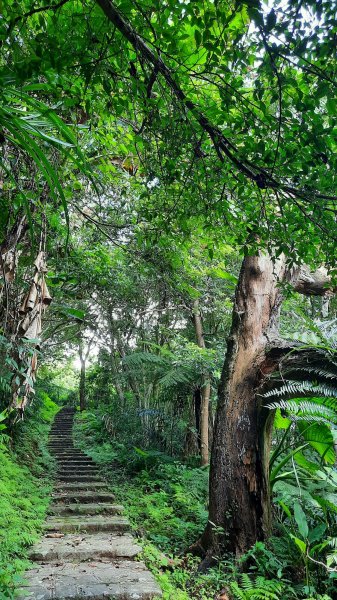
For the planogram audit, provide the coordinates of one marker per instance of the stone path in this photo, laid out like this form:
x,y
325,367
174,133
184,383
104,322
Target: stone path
x,y
87,550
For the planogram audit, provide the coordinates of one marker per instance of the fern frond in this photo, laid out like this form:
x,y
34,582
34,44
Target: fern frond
x,y
305,410
142,359
295,388
318,371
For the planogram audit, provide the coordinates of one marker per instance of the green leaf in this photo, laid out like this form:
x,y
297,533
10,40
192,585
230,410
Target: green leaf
x,y
197,37
319,436
317,533
301,520
299,543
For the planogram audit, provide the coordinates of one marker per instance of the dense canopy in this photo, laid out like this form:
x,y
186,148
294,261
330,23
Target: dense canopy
x,y
168,235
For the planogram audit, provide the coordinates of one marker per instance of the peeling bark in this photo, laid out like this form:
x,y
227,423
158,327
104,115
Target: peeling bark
x,y
239,497
239,512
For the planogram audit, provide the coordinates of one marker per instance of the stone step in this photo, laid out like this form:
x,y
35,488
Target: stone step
x,y
60,428
76,463
62,444
76,524
79,471
78,478
62,456
78,474
81,496
88,508
71,451
125,580
58,441
85,547
85,485
73,461
87,466
61,447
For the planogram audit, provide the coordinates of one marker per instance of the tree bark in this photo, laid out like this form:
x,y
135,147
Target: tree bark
x,y
239,509
239,494
83,355
83,403
191,445
205,389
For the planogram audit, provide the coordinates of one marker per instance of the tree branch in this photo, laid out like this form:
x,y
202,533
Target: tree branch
x,y
316,283
222,145
34,11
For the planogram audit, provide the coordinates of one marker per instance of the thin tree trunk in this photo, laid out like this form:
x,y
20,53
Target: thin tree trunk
x,y
116,375
83,360
82,379
205,389
191,445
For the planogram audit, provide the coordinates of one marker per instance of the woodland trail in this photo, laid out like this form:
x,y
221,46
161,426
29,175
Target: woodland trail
x,y
87,550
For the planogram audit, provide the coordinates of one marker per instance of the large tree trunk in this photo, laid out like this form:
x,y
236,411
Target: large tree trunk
x,y
239,509
205,389
239,495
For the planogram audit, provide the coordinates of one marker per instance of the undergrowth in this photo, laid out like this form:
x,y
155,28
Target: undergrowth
x,y
25,467
166,502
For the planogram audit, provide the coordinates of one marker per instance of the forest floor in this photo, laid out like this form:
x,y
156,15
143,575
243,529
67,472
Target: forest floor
x,y
165,502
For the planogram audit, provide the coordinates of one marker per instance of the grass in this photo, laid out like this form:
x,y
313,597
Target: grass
x,y
25,486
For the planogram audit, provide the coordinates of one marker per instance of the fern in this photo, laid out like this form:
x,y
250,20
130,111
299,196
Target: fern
x,y
257,588
320,372
166,371
293,388
305,410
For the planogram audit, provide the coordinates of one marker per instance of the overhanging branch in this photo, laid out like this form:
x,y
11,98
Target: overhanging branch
x,y
223,146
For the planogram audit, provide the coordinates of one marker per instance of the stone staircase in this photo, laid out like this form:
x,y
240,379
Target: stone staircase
x,y
87,550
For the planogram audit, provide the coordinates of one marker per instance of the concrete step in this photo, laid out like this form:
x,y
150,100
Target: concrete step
x,y
89,508
76,524
82,496
125,580
85,547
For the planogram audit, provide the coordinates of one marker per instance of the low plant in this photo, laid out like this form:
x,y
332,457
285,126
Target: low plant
x,y
24,492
